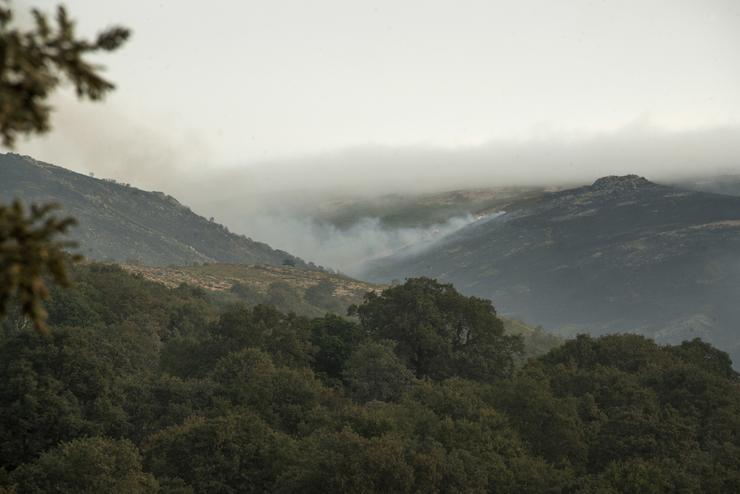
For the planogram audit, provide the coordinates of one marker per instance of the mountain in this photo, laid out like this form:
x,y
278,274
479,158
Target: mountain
x,y
118,222
623,254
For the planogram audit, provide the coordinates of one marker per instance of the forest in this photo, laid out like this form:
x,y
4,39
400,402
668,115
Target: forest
x,y
139,388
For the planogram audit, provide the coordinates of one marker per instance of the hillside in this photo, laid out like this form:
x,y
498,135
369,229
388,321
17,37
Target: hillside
x,y
122,223
623,254
305,292
417,210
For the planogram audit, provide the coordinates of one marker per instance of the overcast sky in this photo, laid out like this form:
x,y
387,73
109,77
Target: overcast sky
x,y
238,83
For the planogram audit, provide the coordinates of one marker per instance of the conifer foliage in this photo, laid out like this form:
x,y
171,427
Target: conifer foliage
x,y
33,63
28,250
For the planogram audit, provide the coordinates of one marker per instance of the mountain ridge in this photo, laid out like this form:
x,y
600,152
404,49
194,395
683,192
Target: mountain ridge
x,y
622,254
118,222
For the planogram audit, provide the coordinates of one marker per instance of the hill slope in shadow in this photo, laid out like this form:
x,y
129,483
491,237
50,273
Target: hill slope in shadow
x,y
122,223
623,254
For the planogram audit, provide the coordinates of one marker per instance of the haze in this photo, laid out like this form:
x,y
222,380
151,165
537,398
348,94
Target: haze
x,y
238,83
248,110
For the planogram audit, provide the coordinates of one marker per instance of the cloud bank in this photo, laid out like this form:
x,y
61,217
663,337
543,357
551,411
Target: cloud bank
x,y
276,201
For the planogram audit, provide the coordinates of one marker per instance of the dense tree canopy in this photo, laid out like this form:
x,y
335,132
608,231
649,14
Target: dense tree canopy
x,y
439,332
90,465
142,388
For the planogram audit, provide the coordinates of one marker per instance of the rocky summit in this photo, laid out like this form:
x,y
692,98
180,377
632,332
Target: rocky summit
x,y
622,254
618,183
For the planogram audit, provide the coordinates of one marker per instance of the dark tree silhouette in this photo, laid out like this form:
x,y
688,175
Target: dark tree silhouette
x,y
33,64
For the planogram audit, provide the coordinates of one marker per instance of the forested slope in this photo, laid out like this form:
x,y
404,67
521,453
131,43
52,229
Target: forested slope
x,y
143,388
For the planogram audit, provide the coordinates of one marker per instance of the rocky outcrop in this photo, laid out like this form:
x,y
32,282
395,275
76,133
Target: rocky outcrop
x,y
616,183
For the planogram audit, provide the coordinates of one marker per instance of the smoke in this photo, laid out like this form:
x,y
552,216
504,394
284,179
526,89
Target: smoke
x,y
110,142
346,249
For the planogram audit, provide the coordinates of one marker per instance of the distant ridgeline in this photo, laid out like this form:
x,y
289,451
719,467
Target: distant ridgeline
x,y
118,222
623,254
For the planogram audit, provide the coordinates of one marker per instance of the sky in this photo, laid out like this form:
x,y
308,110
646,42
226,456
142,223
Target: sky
x,y
251,85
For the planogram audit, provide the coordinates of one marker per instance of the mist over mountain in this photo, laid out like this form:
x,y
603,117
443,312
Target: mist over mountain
x,y
291,202
285,201
623,254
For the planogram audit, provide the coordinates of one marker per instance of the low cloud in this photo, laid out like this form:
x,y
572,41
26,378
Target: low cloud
x,y
278,202
545,160
278,199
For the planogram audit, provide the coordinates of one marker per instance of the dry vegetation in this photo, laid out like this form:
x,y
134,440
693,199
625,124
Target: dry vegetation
x,y
222,277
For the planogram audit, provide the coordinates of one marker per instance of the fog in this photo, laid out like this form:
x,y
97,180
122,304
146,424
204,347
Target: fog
x,y
151,155
293,105
280,201
549,158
